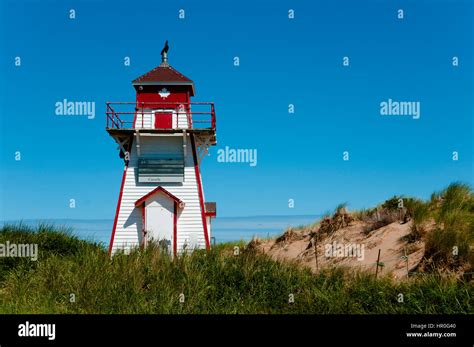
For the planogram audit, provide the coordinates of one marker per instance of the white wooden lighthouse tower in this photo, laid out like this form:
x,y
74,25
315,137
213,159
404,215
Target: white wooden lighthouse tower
x,y
162,138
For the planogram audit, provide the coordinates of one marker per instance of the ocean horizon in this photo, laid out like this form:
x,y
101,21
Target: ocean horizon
x,y
224,229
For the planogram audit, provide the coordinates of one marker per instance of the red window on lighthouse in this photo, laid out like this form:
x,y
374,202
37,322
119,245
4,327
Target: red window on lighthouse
x,y
163,120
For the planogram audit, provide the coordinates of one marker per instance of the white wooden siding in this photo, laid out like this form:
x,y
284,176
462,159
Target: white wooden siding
x,y
182,120
129,224
164,144
148,121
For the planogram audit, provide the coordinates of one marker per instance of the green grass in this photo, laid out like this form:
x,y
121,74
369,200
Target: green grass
x,y
212,282
420,214
451,242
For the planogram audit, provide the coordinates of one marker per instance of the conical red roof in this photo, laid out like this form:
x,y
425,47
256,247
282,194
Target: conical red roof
x,y
162,73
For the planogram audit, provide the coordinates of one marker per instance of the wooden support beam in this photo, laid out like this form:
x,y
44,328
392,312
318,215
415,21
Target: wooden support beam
x,y
185,140
137,135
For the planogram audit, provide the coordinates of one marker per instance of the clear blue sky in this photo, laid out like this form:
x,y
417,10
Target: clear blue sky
x,y
282,61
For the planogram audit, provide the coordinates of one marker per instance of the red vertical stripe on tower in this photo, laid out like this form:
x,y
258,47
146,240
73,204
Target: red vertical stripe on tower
x,y
175,228
143,224
117,211
201,196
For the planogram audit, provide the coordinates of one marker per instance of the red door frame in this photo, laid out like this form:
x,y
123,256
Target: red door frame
x,y
141,203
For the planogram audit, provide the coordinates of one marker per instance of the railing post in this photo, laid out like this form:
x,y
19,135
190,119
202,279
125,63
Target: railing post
x,y
180,109
213,116
189,116
143,105
109,119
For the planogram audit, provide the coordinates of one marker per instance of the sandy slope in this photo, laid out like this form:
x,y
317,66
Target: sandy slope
x,y
388,239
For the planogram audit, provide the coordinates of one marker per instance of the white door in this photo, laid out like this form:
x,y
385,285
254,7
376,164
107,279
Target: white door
x,y
160,221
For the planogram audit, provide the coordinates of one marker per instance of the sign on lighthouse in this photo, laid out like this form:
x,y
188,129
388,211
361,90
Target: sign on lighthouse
x,y
162,138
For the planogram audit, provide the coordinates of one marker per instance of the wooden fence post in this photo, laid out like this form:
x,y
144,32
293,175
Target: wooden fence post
x,y
316,251
377,267
406,259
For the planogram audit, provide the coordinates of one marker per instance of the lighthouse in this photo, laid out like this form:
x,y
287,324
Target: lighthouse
x,y
162,139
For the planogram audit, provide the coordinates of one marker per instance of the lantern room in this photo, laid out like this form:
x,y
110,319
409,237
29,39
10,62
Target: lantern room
x,y
166,90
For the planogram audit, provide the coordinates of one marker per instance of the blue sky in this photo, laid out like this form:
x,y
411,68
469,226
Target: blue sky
x,y
282,62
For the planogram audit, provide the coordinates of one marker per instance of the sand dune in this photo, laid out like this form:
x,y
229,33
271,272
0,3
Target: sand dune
x,y
298,246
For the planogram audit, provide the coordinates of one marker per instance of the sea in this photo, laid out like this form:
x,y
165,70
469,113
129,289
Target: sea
x,y
224,229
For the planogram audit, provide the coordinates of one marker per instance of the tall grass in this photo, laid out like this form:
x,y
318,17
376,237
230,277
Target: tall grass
x,y
148,281
420,213
451,242
51,240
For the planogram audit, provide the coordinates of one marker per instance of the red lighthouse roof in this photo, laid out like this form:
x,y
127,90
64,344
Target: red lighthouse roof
x,y
164,74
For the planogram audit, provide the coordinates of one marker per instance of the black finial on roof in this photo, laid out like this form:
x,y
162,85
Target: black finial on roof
x,y
164,54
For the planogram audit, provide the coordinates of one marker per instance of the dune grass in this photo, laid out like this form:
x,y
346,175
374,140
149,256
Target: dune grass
x,y
451,242
75,276
445,223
